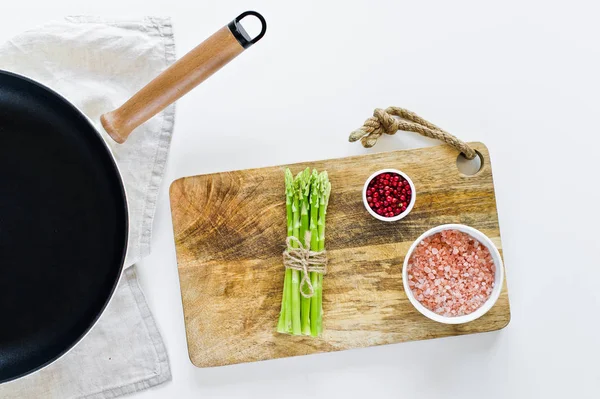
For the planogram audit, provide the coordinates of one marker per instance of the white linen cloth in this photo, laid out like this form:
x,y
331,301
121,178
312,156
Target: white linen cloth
x,y
97,65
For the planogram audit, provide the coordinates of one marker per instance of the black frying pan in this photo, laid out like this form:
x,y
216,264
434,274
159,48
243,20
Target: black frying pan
x,y
63,210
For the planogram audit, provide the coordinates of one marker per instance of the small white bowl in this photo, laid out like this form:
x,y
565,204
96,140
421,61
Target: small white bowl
x,y
408,208
498,275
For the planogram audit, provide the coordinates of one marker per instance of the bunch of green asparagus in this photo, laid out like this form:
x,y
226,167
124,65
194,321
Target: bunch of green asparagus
x,y
307,197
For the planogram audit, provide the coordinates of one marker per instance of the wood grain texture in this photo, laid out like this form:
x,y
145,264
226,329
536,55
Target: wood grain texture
x,y
230,231
181,77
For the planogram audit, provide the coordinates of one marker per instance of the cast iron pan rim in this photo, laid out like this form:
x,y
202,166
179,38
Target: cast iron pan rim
x,y
125,218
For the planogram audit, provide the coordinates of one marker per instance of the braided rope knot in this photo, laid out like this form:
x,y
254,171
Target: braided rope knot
x,y
385,122
300,257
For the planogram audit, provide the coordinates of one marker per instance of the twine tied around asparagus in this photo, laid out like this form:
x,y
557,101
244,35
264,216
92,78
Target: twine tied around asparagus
x,y
301,258
383,121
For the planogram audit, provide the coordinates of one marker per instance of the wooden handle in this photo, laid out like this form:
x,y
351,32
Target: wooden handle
x,y
181,77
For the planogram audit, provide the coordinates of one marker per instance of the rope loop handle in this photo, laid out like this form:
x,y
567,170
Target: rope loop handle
x,y
384,121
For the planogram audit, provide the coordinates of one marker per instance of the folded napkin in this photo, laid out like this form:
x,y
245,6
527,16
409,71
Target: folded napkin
x,y
98,64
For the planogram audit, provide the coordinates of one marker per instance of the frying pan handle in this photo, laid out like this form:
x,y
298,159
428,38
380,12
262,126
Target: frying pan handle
x,y
181,77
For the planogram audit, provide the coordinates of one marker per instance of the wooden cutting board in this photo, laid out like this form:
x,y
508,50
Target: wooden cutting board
x,y
230,231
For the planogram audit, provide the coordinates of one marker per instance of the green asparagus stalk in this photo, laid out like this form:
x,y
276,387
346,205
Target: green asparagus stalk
x,y
285,317
314,246
306,179
316,326
295,285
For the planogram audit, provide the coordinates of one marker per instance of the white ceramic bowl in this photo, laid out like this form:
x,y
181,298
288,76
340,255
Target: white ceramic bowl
x,y
498,277
408,208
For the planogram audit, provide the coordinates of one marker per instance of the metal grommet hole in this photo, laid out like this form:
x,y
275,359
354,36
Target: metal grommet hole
x,y
469,167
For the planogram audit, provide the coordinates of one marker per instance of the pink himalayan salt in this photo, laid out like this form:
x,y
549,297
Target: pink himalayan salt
x,y
464,273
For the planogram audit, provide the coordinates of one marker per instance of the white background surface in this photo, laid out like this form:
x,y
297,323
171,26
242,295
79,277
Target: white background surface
x,y
520,76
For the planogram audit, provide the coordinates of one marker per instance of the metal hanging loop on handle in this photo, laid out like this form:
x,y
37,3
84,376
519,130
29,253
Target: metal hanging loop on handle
x,y
240,33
